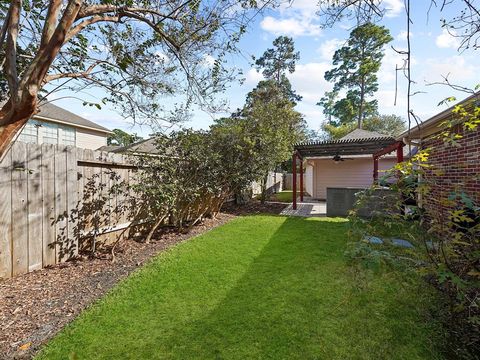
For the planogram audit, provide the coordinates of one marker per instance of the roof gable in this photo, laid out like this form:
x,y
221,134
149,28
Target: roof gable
x,y
56,113
361,134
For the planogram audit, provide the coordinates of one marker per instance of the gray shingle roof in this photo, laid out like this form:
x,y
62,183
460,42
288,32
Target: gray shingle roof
x,y
360,134
54,112
109,148
147,146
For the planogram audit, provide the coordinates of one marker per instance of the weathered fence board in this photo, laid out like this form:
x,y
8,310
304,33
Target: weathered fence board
x,y
72,202
48,193
19,209
60,201
6,216
288,182
46,203
35,207
274,184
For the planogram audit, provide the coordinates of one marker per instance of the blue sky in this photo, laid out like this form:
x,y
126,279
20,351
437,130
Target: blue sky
x,y
434,54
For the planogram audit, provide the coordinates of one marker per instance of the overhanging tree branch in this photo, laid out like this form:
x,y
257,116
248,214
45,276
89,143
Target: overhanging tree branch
x,y
77,75
90,21
50,21
11,47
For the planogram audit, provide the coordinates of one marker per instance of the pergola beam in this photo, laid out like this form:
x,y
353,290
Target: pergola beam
x,y
398,146
345,148
387,150
376,147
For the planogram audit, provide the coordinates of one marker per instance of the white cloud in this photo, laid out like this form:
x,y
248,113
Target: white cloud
x,y
290,26
328,48
455,67
390,62
208,60
386,100
308,81
447,40
313,115
253,77
402,36
161,57
393,8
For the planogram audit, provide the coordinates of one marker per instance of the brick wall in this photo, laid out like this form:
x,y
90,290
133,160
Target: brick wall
x,y
455,168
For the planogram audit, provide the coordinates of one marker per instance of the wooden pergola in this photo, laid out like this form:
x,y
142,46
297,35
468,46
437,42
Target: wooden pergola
x,y
377,147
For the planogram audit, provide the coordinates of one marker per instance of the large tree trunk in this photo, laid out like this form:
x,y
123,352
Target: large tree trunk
x,y
362,101
23,92
13,119
263,183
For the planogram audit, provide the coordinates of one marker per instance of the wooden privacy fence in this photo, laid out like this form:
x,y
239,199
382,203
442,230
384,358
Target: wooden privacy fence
x,y
43,190
274,184
288,181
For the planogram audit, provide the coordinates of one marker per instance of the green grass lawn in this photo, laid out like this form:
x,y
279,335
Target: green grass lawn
x,y
282,196
259,287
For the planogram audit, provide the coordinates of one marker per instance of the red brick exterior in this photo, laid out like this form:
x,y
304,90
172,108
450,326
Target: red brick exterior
x,y
455,168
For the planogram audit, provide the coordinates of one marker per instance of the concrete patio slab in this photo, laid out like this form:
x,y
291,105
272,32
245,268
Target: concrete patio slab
x,y
309,208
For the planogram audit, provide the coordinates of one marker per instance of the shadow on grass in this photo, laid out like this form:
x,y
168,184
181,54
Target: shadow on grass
x,y
275,309
293,298
297,301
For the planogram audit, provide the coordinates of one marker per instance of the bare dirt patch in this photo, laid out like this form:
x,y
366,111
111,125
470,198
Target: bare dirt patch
x,y
35,306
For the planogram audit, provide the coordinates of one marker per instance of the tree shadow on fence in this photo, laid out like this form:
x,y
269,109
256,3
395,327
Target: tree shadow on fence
x,y
103,215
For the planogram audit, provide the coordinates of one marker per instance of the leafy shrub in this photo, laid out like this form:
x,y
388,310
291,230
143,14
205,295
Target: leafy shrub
x,y
449,234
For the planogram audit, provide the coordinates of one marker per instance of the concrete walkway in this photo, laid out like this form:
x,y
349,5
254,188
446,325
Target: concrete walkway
x,y
307,208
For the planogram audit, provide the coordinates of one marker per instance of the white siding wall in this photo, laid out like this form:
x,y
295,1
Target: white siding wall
x,y
348,173
89,139
309,179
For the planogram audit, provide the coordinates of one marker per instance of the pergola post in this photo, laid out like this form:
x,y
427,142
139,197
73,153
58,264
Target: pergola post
x,y
400,153
375,169
301,180
294,180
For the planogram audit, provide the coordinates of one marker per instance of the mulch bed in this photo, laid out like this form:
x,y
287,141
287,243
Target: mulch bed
x,y
253,207
35,306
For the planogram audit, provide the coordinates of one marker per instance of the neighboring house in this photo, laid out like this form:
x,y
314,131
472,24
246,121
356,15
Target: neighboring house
x,y
54,125
349,171
142,147
458,166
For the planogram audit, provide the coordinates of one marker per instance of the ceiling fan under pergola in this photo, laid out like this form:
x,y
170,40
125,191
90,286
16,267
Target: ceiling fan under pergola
x,y
337,158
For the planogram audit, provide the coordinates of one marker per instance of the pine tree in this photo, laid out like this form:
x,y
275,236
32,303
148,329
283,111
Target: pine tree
x,y
357,64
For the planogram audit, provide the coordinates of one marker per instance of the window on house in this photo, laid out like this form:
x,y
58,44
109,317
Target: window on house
x,y
50,133
29,132
68,136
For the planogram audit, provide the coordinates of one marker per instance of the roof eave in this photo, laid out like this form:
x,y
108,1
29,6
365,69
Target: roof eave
x,y
431,125
71,124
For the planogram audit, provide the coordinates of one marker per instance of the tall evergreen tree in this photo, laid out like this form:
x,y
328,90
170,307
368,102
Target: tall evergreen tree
x,y
357,64
276,62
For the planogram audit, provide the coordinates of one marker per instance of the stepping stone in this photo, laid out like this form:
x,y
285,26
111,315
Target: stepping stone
x,y
373,239
402,243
